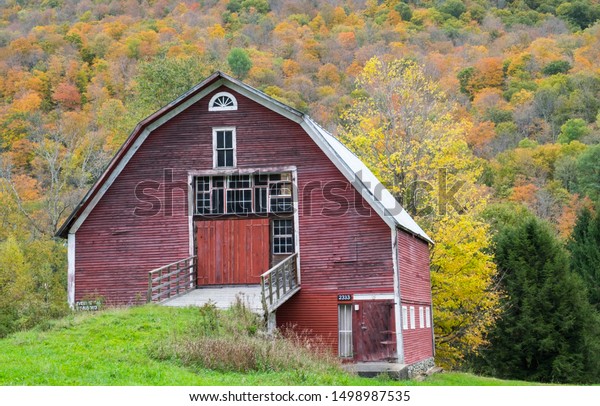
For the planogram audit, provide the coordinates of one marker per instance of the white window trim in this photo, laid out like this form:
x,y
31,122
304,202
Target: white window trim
x,y
233,141
242,171
345,334
421,317
412,318
427,317
374,296
404,318
227,174
273,236
212,107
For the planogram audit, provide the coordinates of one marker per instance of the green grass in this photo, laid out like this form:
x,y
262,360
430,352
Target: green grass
x,y
464,379
115,347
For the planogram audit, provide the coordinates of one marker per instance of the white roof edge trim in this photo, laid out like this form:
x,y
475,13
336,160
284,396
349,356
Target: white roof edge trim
x,y
369,185
347,172
265,101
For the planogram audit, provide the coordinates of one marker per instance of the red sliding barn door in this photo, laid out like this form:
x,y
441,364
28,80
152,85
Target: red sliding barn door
x,y
232,251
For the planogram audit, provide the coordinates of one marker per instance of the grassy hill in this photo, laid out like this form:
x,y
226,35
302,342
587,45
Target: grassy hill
x,y
131,347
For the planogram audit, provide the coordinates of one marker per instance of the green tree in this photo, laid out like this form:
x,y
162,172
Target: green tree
x,y
548,331
239,62
261,6
455,8
234,6
580,13
464,78
162,80
32,283
588,165
15,285
573,129
404,10
556,67
584,247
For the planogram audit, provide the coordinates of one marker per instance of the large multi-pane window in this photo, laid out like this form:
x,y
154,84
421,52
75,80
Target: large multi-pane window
x,y
224,147
244,194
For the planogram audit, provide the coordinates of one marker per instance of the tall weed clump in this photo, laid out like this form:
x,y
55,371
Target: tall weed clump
x,y
236,340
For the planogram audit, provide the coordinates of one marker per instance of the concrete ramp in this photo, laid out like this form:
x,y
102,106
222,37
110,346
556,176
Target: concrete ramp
x,y
222,296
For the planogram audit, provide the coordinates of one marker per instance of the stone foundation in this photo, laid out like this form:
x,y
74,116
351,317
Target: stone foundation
x,y
420,367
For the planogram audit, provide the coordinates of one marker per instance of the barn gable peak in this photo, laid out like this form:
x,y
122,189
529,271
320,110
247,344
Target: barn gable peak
x,y
357,173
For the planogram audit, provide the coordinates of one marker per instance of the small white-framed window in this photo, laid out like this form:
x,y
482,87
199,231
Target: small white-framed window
x,y
224,143
404,318
421,317
283,236
412,318
222,101
345,330
427,317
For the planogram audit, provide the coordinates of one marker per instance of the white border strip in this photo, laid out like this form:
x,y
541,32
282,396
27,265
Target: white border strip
x,y
71,270
374,296
397,298
280,395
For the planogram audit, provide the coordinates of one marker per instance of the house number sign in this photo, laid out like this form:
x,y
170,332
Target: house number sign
x,y
344,298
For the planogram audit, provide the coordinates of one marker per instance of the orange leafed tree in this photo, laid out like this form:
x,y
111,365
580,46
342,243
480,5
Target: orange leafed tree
x,y
347,39
568,217
480,135
488,73
524,194
67,95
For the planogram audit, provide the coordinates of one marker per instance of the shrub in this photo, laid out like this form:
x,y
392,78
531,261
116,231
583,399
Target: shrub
x,y
236,341
453,7
556,67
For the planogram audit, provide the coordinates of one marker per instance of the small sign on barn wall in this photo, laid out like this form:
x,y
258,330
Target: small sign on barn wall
x,y
346,297
88,305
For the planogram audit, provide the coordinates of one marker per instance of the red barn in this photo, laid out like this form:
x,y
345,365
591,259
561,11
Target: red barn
x,y
226,186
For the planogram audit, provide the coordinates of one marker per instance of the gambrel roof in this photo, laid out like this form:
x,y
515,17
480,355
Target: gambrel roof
x,y
357,173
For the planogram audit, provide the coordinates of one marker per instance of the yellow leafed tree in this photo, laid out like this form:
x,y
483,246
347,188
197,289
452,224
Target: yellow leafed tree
x,y
411,136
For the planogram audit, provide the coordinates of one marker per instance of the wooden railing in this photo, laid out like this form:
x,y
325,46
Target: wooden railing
x,y
171,280
280,283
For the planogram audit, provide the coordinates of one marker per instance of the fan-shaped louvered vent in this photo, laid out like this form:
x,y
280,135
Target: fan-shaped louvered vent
x,y
222,101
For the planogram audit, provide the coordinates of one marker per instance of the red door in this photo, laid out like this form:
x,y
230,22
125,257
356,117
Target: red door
x,y
232,252
374,338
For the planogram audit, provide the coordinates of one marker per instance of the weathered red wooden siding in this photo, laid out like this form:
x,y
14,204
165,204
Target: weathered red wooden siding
x,y
415,290
313,314
339,249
